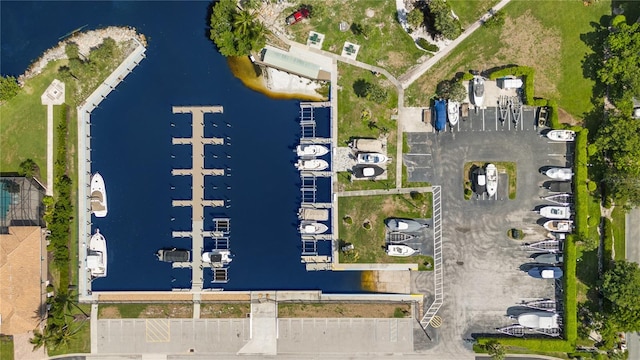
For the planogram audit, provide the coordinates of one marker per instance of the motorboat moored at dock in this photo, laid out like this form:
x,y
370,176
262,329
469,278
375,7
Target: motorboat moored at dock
x,y
312,165
174,255
491,173
453,112
311,150
556,212
97,255
559,173
313,228
561,135
400,250
217,258
98,196
560,226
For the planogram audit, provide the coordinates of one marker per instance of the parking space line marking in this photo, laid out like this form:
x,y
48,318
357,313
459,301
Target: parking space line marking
x,y
482,119
496,119
419,154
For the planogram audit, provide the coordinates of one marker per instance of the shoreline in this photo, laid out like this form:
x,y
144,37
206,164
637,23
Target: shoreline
x,y
245,70
86,40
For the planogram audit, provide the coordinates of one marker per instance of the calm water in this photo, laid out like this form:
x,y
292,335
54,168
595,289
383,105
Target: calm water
x,y
132,149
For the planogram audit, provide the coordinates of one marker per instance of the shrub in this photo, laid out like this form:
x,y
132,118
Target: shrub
x,y
619,19
427,46
466,76
592,186
540,102
451,89
467,194
570,292
8,87
347,219
399,313
496,20
554,121
366,225
417,196
592,149
527,75
593,221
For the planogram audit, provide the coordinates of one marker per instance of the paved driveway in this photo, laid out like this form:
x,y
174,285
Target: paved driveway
x,y
483,277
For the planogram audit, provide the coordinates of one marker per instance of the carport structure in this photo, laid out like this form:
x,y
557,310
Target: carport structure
x,y
483,278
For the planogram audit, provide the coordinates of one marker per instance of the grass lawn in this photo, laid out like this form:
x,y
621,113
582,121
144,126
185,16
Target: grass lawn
x,y
594,212
503,167
23,124
587,275
224,310
351,125
6,347
339,310
369,243
619,227
545,35
145,311
470,11
80,342
387,45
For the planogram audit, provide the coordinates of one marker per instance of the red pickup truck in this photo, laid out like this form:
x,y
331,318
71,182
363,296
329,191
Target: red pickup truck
x,y
297,16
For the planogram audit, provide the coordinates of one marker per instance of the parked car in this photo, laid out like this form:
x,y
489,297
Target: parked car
x,y
297,16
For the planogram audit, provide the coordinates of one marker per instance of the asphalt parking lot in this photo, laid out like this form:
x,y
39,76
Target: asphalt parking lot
x,y
483,277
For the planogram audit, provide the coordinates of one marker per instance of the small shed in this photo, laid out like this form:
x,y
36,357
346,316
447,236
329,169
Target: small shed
x,y
511,83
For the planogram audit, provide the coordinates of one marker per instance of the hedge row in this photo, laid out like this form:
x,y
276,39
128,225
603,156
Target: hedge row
x,y
570,291
542,345
425,45
580,178
527,75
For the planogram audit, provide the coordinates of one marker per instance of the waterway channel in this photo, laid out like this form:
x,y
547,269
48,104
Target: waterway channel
x,y
131,147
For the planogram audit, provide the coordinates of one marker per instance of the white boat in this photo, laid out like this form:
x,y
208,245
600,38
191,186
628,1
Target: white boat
x,y
371,158
98,196
478,91
539,320
561,135
217,258
453,112
561,226
97,255
311,150
400,250
559,173
313,228
312,165
556,212
491,173
560,199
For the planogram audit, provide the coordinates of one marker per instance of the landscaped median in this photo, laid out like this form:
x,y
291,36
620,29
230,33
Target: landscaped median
x,y
503,167
343,309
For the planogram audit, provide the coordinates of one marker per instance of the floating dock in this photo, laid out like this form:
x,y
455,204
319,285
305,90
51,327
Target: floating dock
x,y
197,201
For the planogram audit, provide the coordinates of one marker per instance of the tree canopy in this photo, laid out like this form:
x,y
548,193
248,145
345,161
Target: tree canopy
x,y
8,87
236,32
621,290
619,140
444,23
621,68
451,89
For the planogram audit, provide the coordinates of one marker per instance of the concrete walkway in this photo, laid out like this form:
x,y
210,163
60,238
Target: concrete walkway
x,y
53,95
384,192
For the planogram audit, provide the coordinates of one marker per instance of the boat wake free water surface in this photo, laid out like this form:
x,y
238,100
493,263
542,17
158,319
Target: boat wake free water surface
x,y
97,256
98,196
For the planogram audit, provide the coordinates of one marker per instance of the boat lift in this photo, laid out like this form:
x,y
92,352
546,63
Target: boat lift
x,y
307,121
308,189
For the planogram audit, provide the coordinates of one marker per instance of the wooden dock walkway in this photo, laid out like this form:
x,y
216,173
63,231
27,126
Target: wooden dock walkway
x,y
197,173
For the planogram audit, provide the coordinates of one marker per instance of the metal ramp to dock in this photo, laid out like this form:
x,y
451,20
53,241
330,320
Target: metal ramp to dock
x,y
437,259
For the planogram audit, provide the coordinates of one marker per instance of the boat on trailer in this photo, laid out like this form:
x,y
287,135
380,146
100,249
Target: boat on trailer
x,y
478,91
559,173
560,199
549,245
539,320
491,173
560,226
400,250
97,255
311,150
98,196
561,135
453,112
556,212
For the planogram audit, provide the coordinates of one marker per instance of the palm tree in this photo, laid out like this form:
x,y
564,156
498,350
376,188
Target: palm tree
x,y
243,23
66,302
